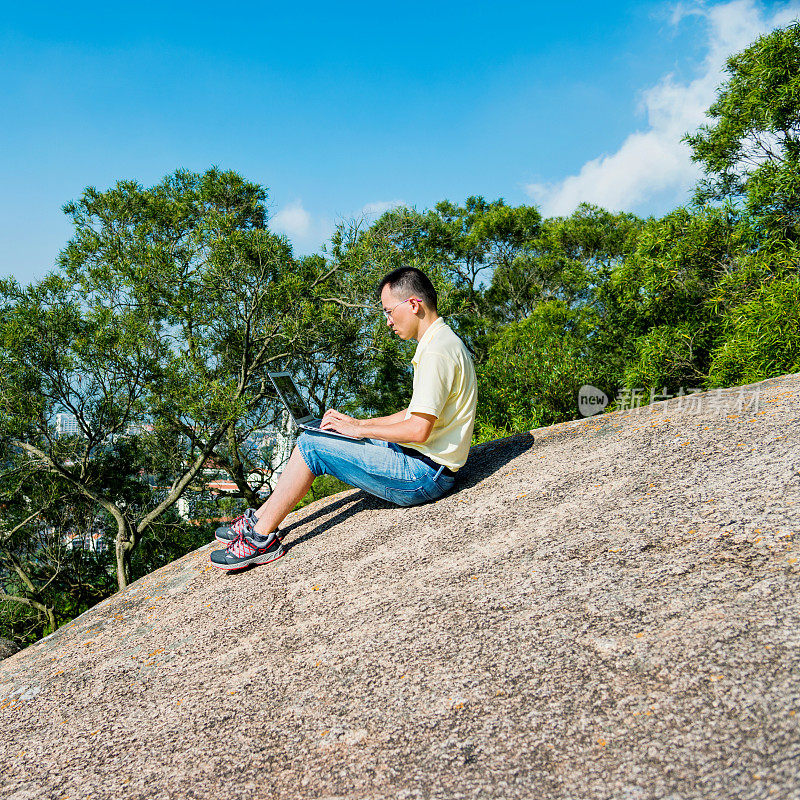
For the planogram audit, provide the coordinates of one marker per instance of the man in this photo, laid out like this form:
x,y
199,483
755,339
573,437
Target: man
x,y
407,458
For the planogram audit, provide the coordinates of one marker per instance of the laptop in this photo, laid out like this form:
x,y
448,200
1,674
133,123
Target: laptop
x,y
298,408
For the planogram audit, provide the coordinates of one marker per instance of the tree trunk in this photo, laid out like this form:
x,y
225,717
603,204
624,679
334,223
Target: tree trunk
x,y
251,498
236,470
126,541
42,608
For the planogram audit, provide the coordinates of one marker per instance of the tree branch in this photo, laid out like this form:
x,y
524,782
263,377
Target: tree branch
x,y
9,534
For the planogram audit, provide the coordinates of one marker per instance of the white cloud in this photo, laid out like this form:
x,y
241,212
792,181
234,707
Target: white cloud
x,y
292,220
380,206
308,232
653,162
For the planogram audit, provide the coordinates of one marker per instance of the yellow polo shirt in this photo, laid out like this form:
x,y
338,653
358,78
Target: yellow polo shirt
x,y
445,387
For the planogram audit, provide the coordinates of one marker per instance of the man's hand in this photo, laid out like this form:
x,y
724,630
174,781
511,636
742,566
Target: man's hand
x,y
333,420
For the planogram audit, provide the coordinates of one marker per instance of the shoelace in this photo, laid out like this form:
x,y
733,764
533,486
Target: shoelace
x,y
239,540
242,539
240,523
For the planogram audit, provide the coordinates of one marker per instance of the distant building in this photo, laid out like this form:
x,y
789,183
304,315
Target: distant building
x,y
94,541
138,429
67,425
262,438
286,438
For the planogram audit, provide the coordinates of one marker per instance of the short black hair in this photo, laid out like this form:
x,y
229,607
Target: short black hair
x,y
408,282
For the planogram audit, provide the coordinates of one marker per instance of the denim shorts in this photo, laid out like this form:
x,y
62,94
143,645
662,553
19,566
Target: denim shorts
x,y
378,467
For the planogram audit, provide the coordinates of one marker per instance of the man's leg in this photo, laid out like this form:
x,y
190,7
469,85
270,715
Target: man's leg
x,y
292,487
253,544
375,466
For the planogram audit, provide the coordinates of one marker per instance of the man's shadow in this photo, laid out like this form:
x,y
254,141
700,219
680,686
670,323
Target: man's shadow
x,y
484,460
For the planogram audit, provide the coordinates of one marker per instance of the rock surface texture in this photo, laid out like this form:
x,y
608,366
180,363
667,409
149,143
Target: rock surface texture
x,y
605,609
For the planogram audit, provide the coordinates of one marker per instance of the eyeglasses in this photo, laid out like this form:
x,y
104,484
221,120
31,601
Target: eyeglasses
x,y
388,314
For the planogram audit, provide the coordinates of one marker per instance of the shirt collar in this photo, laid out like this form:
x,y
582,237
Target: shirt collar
x,y
426,337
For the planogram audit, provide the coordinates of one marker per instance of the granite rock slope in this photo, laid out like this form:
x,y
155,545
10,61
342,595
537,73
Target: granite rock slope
x,y
607,608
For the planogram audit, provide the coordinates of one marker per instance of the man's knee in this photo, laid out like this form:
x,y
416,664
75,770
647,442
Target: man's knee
x,y
305,447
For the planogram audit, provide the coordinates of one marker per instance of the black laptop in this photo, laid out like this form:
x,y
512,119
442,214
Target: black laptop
x,y
298,408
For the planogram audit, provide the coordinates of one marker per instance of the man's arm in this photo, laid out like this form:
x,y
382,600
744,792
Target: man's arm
x,y
395,428
390,420
417,428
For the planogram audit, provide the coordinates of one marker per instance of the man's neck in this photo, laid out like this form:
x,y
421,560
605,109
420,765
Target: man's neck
x,y
424,324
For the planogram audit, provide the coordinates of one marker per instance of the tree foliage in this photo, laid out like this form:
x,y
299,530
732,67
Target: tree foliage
x,y
751,149
170,308
533,371
171,303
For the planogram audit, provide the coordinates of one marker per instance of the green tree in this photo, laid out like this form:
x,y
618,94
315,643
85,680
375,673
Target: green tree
x,y
172,304
662,325
52,562
458,246
564,260
491,264
533,371
472,242
758,306
751,149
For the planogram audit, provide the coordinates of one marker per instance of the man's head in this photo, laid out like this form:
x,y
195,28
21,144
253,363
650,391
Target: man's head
x,y
410,300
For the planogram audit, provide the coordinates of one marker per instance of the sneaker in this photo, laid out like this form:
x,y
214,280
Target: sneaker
x,y
243,524
248,549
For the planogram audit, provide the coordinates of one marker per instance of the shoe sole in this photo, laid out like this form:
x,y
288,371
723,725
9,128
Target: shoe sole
x,y
270,557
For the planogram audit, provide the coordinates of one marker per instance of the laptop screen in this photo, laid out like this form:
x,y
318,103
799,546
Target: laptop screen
x,y
294,402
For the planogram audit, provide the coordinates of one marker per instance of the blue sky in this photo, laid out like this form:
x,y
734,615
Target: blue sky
x,y
345,109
